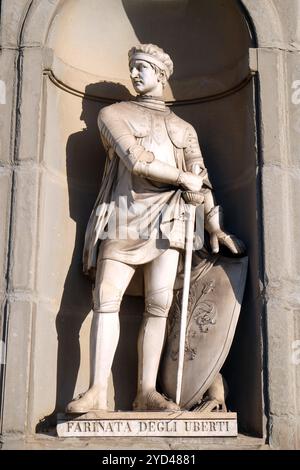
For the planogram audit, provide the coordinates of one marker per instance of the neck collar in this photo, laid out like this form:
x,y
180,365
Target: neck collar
x,y
151,102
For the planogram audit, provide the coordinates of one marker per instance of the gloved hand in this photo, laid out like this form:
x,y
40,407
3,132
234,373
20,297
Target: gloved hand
x,y
235,245
189,181
214,226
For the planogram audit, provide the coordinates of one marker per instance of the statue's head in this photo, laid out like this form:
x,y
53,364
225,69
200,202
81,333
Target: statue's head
x,y
150,68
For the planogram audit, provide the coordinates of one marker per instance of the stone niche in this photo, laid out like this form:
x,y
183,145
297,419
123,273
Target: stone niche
x,y
87,47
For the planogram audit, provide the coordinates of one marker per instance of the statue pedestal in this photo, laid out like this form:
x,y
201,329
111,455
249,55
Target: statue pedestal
x,y
147,424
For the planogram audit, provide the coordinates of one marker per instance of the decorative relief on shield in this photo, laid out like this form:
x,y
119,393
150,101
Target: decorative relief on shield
x,y
202,316
213,311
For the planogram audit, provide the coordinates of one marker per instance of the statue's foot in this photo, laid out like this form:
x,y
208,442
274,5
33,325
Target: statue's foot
x,y
85,402
153,401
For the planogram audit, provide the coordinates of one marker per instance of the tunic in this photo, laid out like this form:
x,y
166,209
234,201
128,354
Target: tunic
x,y
135,218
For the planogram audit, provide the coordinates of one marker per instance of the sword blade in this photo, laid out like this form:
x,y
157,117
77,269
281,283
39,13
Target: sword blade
x,y
191,211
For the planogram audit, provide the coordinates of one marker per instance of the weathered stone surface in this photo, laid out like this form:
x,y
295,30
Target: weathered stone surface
x,y
7,80
42,442
266,22
295,356
41,401
277,187
40,17
284,434
293,88
280,368
24,228
275,22
289,16
292,226
63,349
5,188
13,12
18,366
272,106
30,105
56,235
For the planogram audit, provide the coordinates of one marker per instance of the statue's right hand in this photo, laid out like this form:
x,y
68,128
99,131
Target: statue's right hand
x,y
190,181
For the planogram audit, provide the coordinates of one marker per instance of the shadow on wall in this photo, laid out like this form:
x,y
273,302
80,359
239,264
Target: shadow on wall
x,y
85,159
207,40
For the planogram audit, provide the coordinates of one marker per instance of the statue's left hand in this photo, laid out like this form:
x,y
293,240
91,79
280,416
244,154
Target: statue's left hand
x,y
235,245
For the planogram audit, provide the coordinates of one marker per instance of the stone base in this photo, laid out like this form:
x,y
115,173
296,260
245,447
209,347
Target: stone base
x,y
147,424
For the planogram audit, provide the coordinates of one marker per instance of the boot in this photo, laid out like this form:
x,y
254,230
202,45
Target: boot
x,y
150,344
154,401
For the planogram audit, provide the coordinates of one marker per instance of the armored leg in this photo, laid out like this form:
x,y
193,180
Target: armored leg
x,y
159,280
112,280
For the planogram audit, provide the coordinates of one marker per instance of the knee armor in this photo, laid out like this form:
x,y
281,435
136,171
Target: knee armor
x,y
107,298
158,303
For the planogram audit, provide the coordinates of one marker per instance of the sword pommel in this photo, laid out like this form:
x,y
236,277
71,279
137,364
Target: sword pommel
x,y
194,198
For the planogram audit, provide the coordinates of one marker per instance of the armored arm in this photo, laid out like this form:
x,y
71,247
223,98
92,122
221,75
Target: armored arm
x,y
194,163
193,156
117,134
213,214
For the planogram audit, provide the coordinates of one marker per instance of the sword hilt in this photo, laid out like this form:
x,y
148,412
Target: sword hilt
x,y
193,198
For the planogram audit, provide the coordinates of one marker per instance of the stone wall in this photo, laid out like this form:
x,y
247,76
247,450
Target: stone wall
x,y
36,211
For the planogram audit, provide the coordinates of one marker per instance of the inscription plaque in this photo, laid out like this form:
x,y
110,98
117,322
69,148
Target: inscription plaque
x,y
172,424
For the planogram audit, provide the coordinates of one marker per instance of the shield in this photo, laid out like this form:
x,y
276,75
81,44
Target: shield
x,y
214,306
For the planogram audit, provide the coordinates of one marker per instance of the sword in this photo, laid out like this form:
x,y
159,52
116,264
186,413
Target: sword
x,y
192,200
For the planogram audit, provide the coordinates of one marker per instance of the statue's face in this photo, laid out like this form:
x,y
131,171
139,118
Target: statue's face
x,y
144,78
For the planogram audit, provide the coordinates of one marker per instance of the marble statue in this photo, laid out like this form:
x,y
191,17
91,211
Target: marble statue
x,y
152,157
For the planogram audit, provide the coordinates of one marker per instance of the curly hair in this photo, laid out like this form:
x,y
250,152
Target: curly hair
x,y
157,53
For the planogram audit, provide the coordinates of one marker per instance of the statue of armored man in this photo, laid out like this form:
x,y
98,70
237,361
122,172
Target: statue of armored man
x,y
139,220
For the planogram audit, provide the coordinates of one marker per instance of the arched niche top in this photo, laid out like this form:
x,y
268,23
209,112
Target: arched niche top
x,y
266,21
207,41
36,24
25,23
12,20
